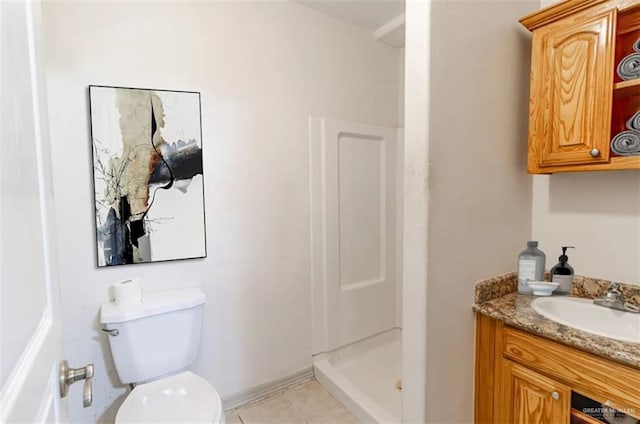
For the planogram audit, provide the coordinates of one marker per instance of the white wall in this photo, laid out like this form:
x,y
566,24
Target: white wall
x,y
597,212
415,210
479,213
400,189
262,69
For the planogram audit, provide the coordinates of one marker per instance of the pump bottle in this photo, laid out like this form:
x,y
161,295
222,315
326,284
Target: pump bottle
x,y
562,273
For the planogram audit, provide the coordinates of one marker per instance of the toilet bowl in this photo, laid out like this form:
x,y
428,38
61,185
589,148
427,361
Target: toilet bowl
x,y
183,397
152,343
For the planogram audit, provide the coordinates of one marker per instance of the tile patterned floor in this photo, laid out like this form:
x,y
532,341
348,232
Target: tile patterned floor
x,y
306,403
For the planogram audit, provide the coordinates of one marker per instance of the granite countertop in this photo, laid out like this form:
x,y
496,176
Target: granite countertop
x,y
497,298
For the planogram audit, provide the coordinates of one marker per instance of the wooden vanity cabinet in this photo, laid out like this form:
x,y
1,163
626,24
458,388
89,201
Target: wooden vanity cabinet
x,y
577,102
529,397
526,379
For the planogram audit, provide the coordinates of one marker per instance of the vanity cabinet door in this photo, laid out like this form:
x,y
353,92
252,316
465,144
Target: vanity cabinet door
x,y
571,91
531,398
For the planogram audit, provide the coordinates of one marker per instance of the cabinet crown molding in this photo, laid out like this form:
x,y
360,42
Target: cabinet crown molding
x,y
566,8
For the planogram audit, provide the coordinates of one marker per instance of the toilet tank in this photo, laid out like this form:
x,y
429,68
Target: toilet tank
x,y
155,337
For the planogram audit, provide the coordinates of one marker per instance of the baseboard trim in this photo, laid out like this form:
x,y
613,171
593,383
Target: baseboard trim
x,y
263,390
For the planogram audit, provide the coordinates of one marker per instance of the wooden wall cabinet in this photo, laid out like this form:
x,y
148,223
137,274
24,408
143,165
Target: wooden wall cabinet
x,y
577,101
525,379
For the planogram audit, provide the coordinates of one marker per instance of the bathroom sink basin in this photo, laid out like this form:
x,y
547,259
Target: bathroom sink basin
x,y
583,315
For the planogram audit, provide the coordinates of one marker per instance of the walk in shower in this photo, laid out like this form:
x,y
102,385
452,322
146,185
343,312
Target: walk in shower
x,y
356,223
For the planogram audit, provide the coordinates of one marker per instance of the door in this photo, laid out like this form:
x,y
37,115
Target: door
x,y
354,246
571,90
531,398
30,321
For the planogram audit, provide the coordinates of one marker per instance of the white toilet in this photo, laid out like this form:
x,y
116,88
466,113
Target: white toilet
x,y
152,343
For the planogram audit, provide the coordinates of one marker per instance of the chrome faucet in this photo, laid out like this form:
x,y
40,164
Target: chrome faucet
x,y
614,299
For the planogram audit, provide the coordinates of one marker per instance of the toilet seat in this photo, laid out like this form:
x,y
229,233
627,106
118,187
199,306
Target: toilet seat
x,y
180,398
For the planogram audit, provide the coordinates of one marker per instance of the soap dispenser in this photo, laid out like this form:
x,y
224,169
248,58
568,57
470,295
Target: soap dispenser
x,y
562,273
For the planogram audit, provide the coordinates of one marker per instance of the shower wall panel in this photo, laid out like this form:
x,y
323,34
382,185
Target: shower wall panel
x,y
354,243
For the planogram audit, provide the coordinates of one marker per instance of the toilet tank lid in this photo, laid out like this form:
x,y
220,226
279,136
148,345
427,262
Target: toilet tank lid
x,y
152,304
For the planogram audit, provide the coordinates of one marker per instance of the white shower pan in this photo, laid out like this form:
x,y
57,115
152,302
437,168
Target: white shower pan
x,y
364,377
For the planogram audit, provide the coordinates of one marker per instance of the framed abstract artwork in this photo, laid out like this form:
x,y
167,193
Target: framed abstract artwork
x,y
148,175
